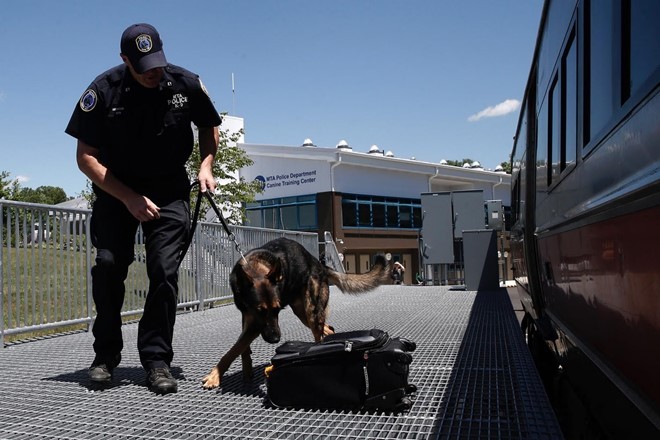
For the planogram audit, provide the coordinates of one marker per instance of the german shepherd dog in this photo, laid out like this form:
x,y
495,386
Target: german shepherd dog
x,y
278,274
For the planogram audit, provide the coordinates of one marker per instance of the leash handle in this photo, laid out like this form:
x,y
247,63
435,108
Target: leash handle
x,y
217,212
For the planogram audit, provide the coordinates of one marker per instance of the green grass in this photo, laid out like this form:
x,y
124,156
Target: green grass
x,y
44,284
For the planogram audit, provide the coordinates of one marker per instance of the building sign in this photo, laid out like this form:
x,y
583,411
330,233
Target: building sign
x,y
283,180
287,178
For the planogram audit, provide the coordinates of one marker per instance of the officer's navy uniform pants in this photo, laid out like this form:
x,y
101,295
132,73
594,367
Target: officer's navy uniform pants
x,y
113,230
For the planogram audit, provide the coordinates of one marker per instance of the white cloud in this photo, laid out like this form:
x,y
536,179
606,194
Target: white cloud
x,y
2,96
501,109
22,179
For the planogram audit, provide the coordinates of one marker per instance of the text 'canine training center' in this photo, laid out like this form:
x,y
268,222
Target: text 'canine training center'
x,y
373,202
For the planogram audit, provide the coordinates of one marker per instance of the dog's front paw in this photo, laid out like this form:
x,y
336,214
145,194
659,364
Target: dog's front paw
x,y
328,330
212,380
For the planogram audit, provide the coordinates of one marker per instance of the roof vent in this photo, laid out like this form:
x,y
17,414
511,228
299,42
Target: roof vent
x,y
343,145
389,154
443,162
374,150
308,143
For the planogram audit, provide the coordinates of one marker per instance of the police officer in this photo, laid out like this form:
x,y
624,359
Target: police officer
x,y
133,126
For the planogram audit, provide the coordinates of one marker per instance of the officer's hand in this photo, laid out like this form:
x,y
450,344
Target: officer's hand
x,y
206,180
142,208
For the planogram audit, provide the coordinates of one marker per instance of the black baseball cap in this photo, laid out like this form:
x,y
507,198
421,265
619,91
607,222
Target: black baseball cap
x,y
142,45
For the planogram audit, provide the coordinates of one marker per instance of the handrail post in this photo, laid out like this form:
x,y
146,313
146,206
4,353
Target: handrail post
x,y
2,280
197,265
88,271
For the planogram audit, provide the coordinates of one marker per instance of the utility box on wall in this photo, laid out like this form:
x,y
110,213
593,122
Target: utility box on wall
x,y
437,243
494,215
481,264
468,209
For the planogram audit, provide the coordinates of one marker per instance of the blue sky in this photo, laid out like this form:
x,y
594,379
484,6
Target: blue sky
x,y
433,80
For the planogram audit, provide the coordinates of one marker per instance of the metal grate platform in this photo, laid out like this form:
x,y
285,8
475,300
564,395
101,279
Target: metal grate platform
x,y
475,378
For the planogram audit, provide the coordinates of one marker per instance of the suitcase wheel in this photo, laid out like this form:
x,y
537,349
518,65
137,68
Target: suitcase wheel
x,y
410,388
404,404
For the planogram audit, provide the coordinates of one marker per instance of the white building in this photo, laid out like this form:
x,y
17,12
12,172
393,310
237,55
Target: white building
x,y
369,200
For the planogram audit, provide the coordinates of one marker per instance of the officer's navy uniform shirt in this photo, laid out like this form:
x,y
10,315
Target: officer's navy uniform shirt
x,y
144,135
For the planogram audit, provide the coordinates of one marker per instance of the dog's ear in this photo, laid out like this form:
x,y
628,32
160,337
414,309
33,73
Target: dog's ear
x,y
247,270
275,273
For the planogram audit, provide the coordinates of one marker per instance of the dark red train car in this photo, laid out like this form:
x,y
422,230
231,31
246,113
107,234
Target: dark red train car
x,y
586,213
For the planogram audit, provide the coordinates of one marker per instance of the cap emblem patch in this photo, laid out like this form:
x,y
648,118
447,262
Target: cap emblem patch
x,y
144,43
88,100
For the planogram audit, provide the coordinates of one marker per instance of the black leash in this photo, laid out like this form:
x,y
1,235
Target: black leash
x,y
195,220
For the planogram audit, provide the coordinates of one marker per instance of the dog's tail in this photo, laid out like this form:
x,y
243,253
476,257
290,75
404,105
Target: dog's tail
x,y
364,282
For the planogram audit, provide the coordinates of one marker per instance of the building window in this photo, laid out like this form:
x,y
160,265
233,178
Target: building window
x,y
378,215
364,214
381,212
307,216
290,213
405,217
392,215
349,214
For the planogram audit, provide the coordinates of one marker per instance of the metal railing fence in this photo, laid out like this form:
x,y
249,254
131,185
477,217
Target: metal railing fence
x,y
46,256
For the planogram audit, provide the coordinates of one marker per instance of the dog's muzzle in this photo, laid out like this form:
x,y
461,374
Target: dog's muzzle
x,y
271,335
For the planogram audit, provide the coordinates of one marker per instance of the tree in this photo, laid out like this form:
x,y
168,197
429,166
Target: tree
x,y
52,195
47,195
4,184
88,193
460,163
233,192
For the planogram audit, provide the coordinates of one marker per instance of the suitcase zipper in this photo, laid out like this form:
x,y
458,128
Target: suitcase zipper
x,y
366,373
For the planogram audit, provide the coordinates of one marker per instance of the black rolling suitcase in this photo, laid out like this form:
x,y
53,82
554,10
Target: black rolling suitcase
x,y
357,370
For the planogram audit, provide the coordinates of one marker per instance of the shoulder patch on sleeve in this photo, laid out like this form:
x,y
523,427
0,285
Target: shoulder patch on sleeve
x,y
88,100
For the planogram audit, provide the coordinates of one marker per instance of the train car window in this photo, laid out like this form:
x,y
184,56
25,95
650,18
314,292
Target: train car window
x,y
542,136
515,199
554,133
600,65
569,105
641,51
522,188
